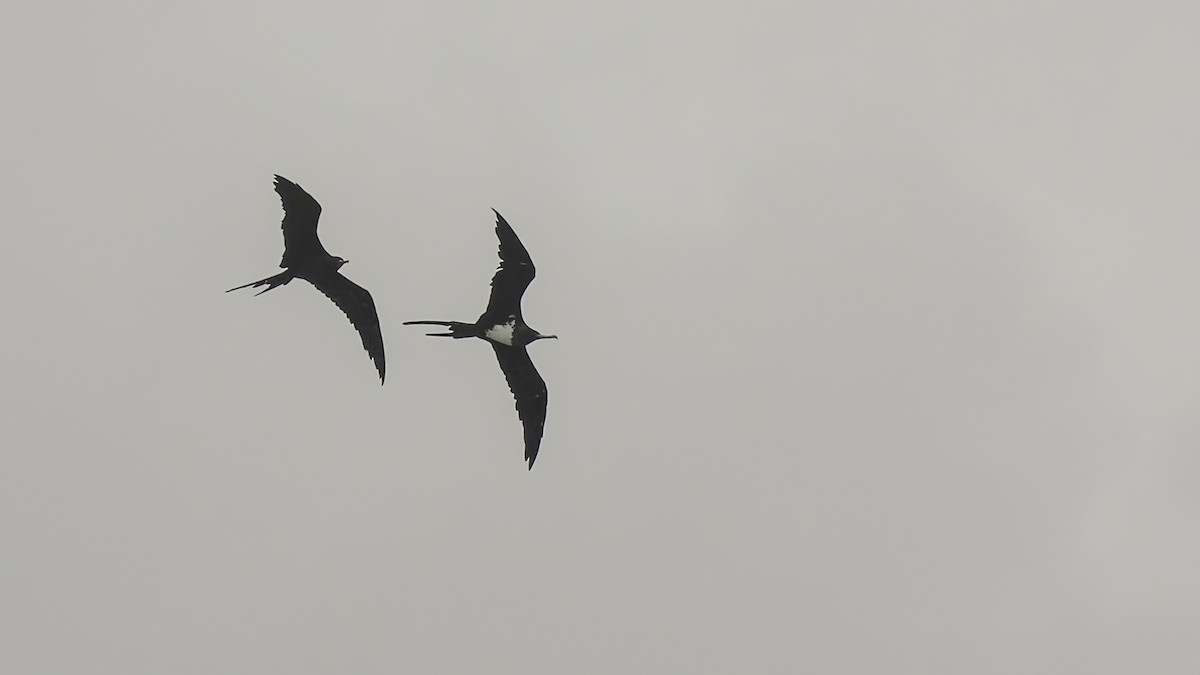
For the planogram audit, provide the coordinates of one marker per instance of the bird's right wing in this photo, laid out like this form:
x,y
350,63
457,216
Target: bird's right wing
x,y
300,215
358,306
513,277
529,389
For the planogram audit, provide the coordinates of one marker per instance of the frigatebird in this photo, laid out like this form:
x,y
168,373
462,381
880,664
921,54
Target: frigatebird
x,y
305,258
502,326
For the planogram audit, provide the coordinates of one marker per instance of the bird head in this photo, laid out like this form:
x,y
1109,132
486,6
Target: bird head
x,y
523,335
340,262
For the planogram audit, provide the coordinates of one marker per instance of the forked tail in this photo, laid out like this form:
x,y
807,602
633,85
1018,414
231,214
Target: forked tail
x,y
270,282
458,329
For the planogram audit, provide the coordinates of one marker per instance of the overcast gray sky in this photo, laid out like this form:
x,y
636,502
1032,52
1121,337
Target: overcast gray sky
x,y
879,341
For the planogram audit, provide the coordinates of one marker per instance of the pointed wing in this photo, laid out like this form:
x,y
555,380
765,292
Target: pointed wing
x,y
513,277
529,389
356,302
300,214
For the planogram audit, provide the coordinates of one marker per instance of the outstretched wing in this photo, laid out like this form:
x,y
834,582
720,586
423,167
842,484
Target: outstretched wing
x,y
356,302
513,277
300,215
529,389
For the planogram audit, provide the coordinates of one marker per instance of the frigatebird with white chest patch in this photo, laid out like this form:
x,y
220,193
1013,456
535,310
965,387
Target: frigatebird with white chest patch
x,y
502,326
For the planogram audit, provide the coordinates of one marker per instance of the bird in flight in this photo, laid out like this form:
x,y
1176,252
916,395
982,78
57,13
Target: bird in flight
x,y
305,258
503,327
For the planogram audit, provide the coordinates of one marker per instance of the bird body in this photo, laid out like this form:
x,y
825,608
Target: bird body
x,y
305,258
502,333
502,325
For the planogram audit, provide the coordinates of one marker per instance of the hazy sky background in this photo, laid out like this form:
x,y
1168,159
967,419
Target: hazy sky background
x,y
880,328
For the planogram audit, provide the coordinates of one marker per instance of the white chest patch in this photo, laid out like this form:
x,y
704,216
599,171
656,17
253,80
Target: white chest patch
x,y
502,333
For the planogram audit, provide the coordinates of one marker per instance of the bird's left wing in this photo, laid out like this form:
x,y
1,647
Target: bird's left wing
x,y
300,215
529,389
515,273
356,302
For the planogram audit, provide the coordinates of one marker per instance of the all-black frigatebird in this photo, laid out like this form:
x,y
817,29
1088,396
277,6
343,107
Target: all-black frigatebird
x,y
503,327
305,258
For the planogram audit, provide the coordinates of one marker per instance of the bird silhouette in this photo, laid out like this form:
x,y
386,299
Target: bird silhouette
x,y
305,258
502,326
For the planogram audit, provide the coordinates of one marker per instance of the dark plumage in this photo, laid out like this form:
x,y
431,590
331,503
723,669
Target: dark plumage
x,y
305,258
503,327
